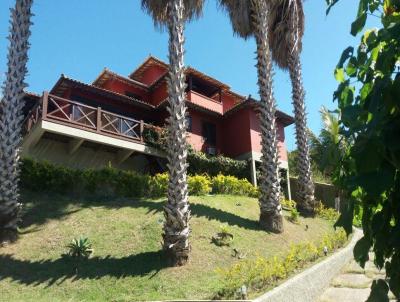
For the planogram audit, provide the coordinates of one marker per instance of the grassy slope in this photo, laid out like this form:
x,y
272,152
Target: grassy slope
x,y
127,262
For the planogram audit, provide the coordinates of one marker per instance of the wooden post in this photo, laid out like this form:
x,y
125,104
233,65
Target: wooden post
x,y
190,83
45,101
253,171
98,120
141,130
288,184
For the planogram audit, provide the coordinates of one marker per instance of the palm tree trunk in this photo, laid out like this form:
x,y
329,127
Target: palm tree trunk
x,y
176,211
270,208
306,200
11,119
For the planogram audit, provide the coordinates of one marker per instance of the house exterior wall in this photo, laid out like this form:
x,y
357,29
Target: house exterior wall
x,y
121,88
255,134
227,101
236,134
159,94
152,74
195,136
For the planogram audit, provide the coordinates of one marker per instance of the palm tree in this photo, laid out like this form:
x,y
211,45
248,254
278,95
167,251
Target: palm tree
x,y
173,14
11,119
250,18
285,36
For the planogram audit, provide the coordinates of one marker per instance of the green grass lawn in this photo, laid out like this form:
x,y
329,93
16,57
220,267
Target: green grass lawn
x,y
127,263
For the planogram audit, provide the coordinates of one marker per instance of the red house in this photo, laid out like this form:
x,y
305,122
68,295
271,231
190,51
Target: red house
x,y
93,125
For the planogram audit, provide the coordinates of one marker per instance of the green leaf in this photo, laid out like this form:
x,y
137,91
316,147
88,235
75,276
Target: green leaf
x,y
345,219
346,96
379,291
351,68
339,75
358,24
361,250
330,4
373,5
365,91
347,53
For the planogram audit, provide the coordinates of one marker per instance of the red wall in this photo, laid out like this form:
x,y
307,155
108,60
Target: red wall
x,y
152,74
256,136
159,94
236,133
195,137
121,88
228,101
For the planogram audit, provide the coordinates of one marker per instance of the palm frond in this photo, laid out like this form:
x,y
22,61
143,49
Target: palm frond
x,y
239,12
286,19
158,10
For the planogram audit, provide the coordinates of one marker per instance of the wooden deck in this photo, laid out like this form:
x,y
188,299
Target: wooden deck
x,y
82,122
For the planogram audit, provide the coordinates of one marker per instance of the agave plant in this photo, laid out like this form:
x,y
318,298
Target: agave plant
x,y
11,119
80,247
173,14
286,28
250,18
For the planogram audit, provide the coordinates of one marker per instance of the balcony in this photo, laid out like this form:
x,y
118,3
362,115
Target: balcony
x,y
85,123
203,101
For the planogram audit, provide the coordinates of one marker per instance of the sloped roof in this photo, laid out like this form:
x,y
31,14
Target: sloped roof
x,y
64,82
107,74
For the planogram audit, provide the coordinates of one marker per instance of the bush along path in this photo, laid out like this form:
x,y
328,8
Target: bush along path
x,y
353,284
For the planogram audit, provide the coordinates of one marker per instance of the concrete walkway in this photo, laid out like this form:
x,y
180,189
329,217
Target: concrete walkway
x,y
353,283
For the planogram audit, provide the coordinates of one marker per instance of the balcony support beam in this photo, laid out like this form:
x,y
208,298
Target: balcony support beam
x,y
123,155
74,145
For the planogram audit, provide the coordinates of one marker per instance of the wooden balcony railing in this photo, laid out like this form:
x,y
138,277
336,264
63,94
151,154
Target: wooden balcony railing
x,y
78,115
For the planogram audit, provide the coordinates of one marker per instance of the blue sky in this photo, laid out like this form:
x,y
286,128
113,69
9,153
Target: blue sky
x,y
80,38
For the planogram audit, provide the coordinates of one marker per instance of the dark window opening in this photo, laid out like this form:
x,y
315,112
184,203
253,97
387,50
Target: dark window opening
x,y
209,133
189,123
203,87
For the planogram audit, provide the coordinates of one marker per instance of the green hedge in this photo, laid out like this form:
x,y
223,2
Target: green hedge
x,y
47,177
199,163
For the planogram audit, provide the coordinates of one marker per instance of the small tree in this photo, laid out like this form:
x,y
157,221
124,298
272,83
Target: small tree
x,y
370,117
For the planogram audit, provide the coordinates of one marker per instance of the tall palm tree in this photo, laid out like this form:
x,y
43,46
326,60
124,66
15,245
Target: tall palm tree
x,y
173,14
250,18
11,119
285,36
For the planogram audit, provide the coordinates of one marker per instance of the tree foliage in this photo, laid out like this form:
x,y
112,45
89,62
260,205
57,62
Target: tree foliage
x,y
368,101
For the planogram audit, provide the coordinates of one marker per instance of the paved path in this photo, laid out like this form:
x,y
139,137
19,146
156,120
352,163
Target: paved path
x,y
353,283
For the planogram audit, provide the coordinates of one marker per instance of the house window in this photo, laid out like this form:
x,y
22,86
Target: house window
x,y
189,123
209,132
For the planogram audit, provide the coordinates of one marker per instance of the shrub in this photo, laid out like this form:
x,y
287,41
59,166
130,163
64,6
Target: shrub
x,y
80,247
294,215
199,185
326,213
288,204
155,137
200,163
158,185
262,272
222,184
108,181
